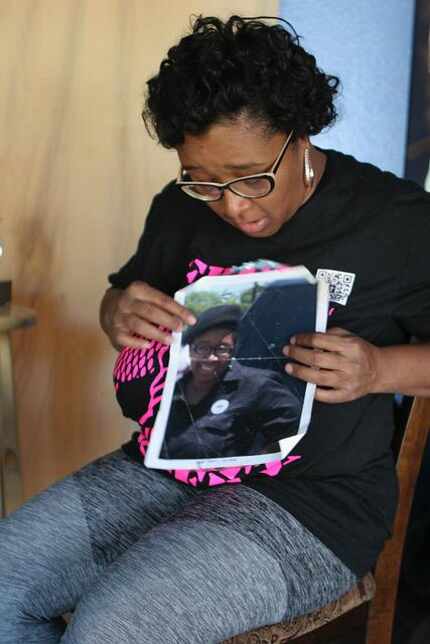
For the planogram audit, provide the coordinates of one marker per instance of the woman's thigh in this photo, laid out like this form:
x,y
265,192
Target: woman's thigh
x,y
56,545
231,560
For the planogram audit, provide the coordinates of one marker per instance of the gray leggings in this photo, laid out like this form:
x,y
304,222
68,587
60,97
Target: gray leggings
x,y
142,559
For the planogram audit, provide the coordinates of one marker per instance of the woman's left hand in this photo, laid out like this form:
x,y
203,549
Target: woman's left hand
x,y
342,365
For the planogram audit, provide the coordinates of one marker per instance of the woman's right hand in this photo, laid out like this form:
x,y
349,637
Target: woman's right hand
x,y
133,317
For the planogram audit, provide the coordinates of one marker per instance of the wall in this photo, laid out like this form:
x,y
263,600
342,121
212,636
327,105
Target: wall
x,y
368,45
78,172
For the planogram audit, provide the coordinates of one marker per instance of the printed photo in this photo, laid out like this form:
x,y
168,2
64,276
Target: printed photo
x,y
228,398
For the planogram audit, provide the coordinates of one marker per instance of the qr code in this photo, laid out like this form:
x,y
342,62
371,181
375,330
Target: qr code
x,y
340,284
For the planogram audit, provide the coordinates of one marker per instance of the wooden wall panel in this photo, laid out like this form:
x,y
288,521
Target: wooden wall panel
x,y
78,172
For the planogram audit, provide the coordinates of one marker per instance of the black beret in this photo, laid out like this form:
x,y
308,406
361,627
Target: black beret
x,y
227,315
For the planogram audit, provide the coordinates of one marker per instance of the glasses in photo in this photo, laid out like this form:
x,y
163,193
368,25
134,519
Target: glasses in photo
x,y
253,186
204,350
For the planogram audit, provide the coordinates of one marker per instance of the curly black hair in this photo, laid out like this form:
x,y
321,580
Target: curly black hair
x,y
242,66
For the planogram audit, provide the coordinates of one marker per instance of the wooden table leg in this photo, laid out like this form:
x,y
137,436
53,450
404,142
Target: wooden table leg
x,y
11,496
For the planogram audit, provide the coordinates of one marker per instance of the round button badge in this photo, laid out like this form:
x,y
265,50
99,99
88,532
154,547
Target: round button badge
x,y
220,406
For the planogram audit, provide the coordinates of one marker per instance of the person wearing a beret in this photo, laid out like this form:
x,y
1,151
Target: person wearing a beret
x,y
220,407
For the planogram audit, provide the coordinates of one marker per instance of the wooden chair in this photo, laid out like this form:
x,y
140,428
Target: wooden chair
x,y
373,599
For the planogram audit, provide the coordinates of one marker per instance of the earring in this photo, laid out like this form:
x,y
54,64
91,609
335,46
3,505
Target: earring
x,y
308,171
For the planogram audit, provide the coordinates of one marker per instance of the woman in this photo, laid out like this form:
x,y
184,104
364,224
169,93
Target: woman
x,y
221,408
144,556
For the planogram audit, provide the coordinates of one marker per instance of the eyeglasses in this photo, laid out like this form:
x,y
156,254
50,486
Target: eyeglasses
x,y
204,350
253,186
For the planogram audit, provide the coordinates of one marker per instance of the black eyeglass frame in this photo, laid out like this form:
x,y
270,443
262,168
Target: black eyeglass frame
x,y
229,185
205,352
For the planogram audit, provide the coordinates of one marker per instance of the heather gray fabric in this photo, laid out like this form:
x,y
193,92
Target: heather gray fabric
x,y
143,559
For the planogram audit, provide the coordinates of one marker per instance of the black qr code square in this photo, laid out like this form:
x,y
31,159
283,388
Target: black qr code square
x,y
340,284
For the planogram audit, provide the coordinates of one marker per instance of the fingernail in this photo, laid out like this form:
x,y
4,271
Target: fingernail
x,y
289,368
293,340
286,350
191,319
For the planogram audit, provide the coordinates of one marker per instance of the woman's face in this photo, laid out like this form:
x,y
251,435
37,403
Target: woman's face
x,y
231,150
210,355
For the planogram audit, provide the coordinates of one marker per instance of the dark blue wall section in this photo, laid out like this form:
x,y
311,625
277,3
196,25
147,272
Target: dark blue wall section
x,y
368,44
418,157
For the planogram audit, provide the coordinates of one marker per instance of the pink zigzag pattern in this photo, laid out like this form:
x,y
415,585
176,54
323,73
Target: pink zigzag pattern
x,y
152,363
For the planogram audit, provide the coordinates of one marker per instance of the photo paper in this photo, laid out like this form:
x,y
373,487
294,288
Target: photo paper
x,y
227,399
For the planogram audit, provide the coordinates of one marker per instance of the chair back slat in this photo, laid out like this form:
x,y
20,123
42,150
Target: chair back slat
x,y
382,608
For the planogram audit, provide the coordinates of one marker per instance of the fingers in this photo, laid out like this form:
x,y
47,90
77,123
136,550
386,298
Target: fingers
x,y
337,330
134,326
158,307
341,364
124,339
144,314
315,358
333,385
320,377
324,341
332,396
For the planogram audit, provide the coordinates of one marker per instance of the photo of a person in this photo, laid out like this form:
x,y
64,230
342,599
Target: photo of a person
x,y
221,408
144,549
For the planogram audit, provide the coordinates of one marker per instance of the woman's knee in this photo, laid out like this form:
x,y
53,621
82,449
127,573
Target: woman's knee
x,y
176,585
102,616
122,616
